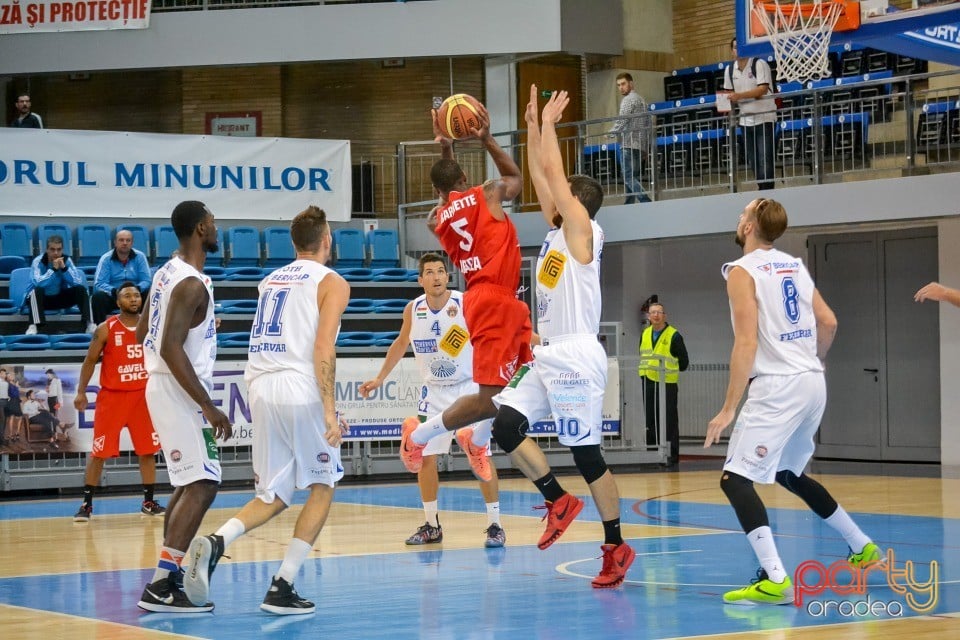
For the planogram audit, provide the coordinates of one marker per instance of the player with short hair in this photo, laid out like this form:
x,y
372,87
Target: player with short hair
x,y
121,400
434,325
782,330
179,335
482,243
290,374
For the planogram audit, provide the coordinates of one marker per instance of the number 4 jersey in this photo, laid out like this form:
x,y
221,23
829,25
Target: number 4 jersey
x,y
786,326
285,325
441,343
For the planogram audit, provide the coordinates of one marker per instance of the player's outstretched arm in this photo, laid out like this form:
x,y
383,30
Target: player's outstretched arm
x,y
333,293
446,144
743,302
394,353
534,164
89,363
938,292
576,222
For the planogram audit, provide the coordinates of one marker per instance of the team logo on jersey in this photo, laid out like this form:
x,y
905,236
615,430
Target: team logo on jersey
x,y
421,310
455,340
543,304
761,451
98,443
441,368
118,340
175,455
765,268
551,269
452,310
425,346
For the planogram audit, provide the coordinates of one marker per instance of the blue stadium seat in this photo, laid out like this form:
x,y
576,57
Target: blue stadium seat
x,y
244,273
238,306
413,275
20,281
36,342
93,240
384,338
141,238
9,263
215,273
277,247
70,341
16,239
44,231
384,248
390,275
356,274
244,244
361,305
3,343
348,245
391,305
8,307
165,242
234,339
356,339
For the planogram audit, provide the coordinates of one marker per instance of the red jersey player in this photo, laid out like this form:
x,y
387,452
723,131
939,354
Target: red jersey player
x,y
482,242
121,401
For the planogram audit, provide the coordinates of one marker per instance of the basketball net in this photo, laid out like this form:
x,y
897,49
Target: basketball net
x,y
800,34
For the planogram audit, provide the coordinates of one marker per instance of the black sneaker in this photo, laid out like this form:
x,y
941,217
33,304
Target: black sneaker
x,y
83,513
496,536
152,508
426,534
163,596
284,600
204,553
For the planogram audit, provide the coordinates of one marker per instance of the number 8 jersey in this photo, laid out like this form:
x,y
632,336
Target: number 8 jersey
x,y
441,342
786,326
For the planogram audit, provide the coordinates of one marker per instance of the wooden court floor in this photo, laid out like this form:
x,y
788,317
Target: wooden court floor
x,y
61,579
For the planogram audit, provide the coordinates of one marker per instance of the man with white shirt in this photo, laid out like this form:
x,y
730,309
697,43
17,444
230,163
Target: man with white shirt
x,y
750,84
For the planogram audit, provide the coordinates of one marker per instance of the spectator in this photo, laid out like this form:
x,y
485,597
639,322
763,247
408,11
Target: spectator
x,y
14,412
758,112
57,284
4,399
634,131
26,119
44,419
123,264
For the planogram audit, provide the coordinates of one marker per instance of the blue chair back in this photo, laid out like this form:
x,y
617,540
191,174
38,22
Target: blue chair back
x,y
392,274
141,238
44,231
348,244
165,241
93,240
234,339
9,263
20,281
36,342
8,308
391,305
384,248
355,274
277,247
384,338
215,273
238,306
244,273
70,341
356,339
16,239
361,305
244,243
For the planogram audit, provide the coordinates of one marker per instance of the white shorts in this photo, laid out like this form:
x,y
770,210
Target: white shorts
x,y
776,426
187,440
434,399
289,450
567,378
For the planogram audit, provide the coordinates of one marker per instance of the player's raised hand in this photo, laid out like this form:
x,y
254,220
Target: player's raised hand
x,y
483,131
553,110
437,132
367,387
530,116
218,420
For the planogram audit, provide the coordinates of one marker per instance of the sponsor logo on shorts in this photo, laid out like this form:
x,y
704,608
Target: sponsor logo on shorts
x,y
323,457
98,443
761,451
551,269
175,455
455,340
572,379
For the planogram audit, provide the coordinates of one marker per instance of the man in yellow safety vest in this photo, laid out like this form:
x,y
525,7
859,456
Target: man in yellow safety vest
x,y
661,340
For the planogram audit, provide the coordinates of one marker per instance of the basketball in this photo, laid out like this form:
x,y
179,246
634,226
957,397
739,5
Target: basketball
x,y
458,114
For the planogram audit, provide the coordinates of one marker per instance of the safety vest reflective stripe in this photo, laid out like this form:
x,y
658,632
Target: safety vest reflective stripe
x,y
650,367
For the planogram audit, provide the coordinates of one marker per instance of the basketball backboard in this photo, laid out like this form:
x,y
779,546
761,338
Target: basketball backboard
x,y
882,25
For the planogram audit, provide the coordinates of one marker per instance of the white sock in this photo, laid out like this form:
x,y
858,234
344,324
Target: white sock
x,y
231,530
430,510
493,513
429,429
297,552
761,539
842,523
481,433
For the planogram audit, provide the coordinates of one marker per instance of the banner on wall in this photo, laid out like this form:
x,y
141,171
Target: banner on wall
x,y
120,174
39,16
376,418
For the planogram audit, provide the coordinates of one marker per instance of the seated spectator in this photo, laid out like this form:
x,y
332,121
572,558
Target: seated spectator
x,y
43,418
57,284
123,264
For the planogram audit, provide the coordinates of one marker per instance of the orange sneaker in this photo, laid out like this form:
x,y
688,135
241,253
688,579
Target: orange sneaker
x,y
616,560
411,453
476,456
559,516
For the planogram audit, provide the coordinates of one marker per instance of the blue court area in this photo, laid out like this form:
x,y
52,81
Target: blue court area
x,y
672,590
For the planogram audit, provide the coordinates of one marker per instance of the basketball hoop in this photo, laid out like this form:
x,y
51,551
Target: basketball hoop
x,y
800,34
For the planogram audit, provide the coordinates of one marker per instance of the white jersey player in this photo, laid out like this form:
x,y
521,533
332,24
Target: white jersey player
x,y
782,330
569,373
297,434
434,325
179,338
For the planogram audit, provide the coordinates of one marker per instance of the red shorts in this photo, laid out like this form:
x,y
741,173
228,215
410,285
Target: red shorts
x,y
116,410
500,332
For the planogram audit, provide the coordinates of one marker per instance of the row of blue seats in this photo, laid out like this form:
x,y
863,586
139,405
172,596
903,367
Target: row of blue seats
x,y
239,246
241,339
42,342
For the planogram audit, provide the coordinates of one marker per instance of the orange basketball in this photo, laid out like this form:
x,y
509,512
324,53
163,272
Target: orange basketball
x,y
458,114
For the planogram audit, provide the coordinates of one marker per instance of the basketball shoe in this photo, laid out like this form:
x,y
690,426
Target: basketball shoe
x,y
559,516
152,508
426,534
476,456
411,453
868,555
204,553
284,600
164,596
617,558
762,590
84,513
496,536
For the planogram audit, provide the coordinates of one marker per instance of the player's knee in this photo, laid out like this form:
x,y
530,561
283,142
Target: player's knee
x,y
789,481
509,428
589,461
733,485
